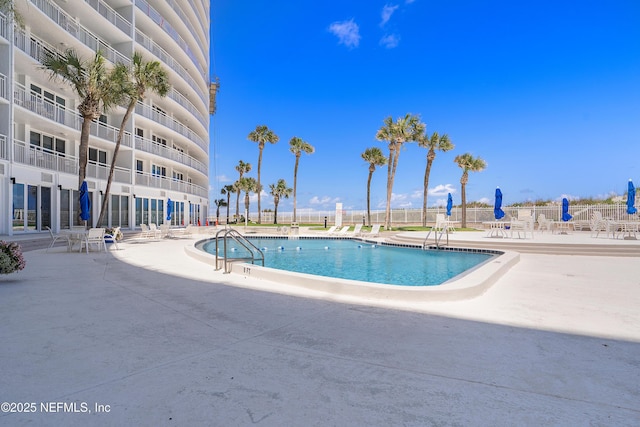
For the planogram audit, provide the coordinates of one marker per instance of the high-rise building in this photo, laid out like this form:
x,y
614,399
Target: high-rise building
x,y
164,156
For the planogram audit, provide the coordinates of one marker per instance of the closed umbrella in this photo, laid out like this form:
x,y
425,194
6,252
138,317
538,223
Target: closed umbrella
x,y
631,199
169,209
85,202
449,204
565,210
497,211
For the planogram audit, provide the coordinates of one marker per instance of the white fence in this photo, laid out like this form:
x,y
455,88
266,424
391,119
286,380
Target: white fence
x,y
475,216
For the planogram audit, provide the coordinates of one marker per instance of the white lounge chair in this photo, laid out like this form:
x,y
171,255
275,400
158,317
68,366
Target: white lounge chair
x,y
332,229
155,231
375,231
443,224
356,230
113,236
343,231
544,223
598,224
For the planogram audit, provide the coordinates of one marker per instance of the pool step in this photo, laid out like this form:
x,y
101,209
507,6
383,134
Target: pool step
x,y
530,246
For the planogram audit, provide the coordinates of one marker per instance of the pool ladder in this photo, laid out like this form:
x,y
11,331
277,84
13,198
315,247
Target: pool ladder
x,y
436,237
230,234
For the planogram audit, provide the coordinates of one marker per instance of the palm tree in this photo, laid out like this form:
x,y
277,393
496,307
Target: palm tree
x,y
468,163
406,129
227,190
297,146
277,191
262,135
133,81
8,8
91,81
218,203
248,185
242,168
374,157
433,143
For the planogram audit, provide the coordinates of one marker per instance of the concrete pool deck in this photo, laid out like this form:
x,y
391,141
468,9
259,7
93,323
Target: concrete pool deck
x,y
159,338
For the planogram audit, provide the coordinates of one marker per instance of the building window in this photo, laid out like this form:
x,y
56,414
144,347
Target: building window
x,y
159,140
139,166
47,142
140,132
178,176
97,156
157,170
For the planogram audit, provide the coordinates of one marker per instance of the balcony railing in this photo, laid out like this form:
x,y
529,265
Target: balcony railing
x,y
68,23
156,181
111,15
148,112
4,152
3,86
45,108
162,54
152,147
60,162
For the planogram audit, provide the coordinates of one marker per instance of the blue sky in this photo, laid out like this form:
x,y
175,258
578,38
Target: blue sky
x,y
546,92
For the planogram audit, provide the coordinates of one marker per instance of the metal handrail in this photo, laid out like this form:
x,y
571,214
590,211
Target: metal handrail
x,y
437,238
241,240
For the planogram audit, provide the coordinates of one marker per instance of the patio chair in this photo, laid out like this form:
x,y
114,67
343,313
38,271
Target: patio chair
x,y
56,237
343,231
95,236
443,224
598,224
112,236
155,231
544,223
523,224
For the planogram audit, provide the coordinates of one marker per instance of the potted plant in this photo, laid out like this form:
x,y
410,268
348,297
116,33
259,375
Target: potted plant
x,y
11,259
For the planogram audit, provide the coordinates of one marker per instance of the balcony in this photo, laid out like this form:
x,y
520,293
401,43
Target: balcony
x,y
152,147
171,123
47,109
165,183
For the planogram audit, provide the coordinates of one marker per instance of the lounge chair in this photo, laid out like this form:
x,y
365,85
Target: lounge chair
x,y
598,224
113,236
95,236
356,230
332,229
343,231
56,237
155,231
544,223
375,231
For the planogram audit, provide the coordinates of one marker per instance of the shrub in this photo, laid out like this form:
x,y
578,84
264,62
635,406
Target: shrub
x,y
11,259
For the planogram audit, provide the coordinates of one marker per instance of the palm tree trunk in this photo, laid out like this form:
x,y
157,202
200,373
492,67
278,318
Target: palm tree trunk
x,y
295,181
238,205
369,197
105,197
387,216
228,201
84,149
390,183
275,212
259,187
426,192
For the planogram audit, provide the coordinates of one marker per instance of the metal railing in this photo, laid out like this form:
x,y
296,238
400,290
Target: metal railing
x,y
156,181
149,146
251,249
475,216
171,123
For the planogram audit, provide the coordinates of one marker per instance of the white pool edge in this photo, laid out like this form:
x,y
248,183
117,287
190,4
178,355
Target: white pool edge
x,y
470,284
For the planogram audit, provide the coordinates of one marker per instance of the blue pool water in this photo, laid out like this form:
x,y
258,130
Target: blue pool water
x,y
352,259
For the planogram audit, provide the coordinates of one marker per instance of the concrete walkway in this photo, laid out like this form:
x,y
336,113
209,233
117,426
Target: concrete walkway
x,y
148,336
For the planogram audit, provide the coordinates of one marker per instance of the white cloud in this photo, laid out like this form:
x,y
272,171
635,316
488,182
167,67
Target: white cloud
x,y
224,178
390,41
348,33
324,201
387,11
485,201
442,190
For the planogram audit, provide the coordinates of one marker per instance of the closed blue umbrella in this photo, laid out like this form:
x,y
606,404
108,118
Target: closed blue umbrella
x,y
631,199
85,203
449,204
565,210
169,209
497,211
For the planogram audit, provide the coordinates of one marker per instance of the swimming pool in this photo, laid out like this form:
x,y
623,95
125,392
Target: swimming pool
x,y
357,260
